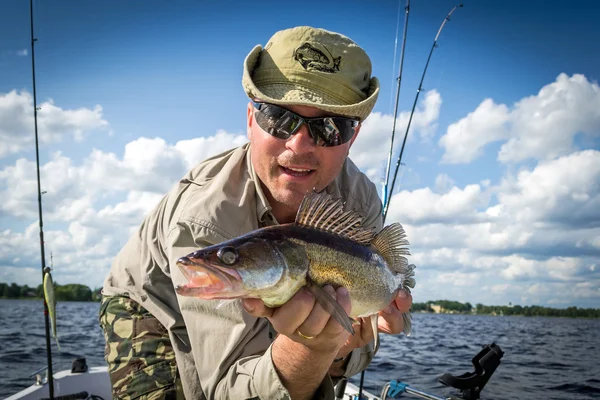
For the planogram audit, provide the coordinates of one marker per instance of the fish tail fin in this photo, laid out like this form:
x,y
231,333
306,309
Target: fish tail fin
x,y
392,244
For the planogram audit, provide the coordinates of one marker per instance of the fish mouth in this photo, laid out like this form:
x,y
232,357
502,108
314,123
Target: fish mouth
x,y
208,281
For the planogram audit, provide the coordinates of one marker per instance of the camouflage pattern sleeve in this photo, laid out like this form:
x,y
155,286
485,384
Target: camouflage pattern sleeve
x,y
141,360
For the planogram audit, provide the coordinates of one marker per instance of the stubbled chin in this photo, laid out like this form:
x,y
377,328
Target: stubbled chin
x,y
290,195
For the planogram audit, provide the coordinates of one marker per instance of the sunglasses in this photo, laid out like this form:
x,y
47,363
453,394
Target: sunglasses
x,y
325,131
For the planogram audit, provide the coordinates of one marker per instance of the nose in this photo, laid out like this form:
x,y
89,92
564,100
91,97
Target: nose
x,y
301,141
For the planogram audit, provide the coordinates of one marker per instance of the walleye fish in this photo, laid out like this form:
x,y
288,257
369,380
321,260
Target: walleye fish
x,y
51,303
325,245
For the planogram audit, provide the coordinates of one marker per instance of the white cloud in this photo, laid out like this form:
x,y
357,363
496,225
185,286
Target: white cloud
x,y
22,53
54,123
556,267
374,136
148,165
564,191
423,206
91,208
530,236
464,141
542,126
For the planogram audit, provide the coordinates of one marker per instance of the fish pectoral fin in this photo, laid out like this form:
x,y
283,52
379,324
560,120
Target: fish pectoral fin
x,y
406,317
330,305
375,327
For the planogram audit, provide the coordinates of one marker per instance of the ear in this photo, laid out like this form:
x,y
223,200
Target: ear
x,y
249,120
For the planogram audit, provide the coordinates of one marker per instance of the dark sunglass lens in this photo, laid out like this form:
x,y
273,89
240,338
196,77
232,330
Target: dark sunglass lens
x,y
346,128
269,119
290,123
332,131
278,121
282,123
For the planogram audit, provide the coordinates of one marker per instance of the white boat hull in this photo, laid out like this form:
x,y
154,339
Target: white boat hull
x,y
97,383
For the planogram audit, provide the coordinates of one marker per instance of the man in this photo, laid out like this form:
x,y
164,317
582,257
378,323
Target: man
x,y
310,90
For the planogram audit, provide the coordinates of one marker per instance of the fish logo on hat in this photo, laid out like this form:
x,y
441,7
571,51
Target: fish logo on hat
x,y
311,57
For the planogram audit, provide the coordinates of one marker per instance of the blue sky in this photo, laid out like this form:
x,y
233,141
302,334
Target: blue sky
x,y
508,106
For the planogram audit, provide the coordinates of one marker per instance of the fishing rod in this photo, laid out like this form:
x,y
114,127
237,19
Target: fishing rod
x,y
389,161
399,79
37,159
388,195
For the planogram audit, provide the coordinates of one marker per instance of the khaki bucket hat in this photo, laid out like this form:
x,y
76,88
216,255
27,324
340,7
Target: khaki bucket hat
x,y
313,67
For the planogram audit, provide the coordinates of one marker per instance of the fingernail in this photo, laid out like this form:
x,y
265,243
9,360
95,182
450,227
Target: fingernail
x,y
387,310
402,294
343,291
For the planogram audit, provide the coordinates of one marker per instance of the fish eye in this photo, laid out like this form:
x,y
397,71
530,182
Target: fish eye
x,y
228,255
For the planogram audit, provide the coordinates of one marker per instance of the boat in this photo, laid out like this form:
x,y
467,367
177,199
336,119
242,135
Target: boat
x,y
93,383
77,383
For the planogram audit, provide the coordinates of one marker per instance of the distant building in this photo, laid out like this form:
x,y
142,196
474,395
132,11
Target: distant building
x,y
436,308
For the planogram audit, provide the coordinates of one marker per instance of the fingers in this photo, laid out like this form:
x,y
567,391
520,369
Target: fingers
x,y
391,320
366,332
257,308
317,319
363,335
288,318
302,313
403,301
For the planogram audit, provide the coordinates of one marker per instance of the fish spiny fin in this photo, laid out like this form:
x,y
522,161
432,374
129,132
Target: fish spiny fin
x,y
321,211
391,243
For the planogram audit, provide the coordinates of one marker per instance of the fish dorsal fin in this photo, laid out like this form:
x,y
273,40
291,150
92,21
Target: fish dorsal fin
x,y
321,211
391,243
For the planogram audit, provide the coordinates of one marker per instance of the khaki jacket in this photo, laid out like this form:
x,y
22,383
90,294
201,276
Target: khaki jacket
x,y
221,351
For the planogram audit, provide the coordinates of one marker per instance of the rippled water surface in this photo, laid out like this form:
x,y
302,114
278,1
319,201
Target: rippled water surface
x,y
545,358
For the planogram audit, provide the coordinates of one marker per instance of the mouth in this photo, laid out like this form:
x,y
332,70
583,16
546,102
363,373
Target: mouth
x,y
208,281
297,172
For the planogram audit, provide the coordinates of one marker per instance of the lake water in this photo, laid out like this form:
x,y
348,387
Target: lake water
x,y
545,358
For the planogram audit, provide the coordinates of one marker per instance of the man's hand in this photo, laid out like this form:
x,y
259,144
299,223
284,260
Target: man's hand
x,y
302,313
363,335
309,338
390,320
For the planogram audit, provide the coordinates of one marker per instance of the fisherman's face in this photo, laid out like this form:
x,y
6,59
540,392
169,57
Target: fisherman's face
x,y
288,168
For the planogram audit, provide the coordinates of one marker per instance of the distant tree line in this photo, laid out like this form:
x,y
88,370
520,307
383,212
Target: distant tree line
x,y
69,292
448,306
78,292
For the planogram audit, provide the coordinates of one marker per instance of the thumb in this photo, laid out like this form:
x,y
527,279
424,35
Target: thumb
x,y
256,308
